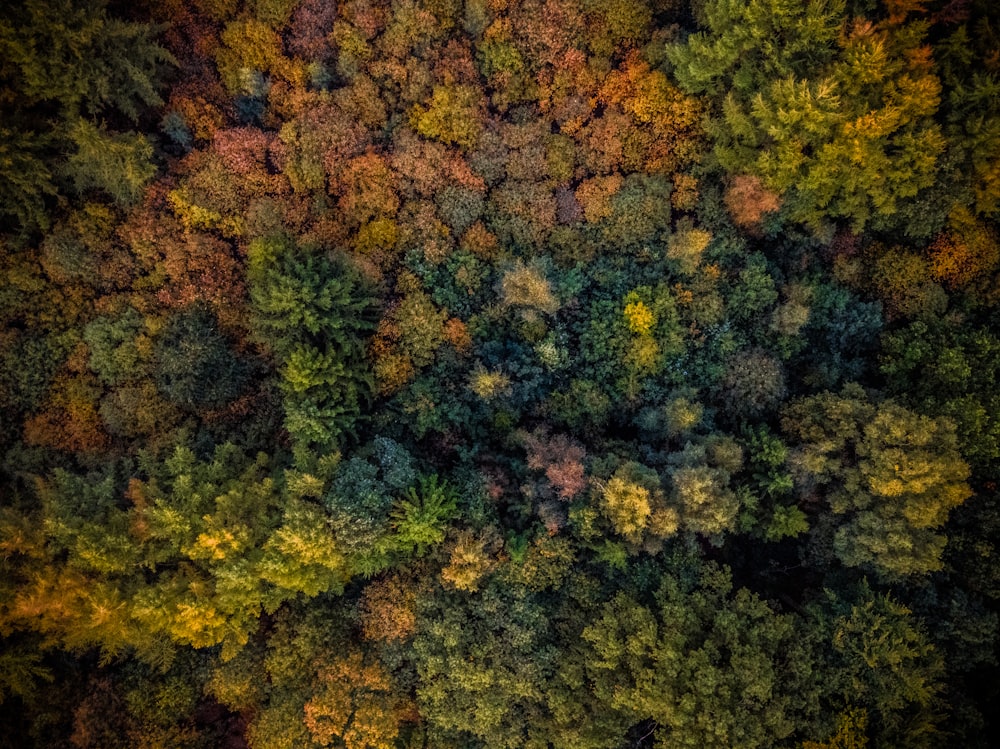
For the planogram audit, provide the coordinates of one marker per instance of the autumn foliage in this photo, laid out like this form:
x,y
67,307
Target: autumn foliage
x,y
542,374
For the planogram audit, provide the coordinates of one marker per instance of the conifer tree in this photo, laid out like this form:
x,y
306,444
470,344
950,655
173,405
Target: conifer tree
x,y
835,114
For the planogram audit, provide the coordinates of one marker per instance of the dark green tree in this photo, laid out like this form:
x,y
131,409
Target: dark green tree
x,y
709,665
877,656
949,370
194,362
74,54
117,164
63,65
314,315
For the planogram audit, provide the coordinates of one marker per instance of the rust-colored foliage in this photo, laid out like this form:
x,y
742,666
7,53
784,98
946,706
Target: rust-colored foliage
x,y
456,333
480,241
568,90
560,458
392,367
362,101
243,149
193,32
531,205
594,196
309,30
419,163
965,254
601,143
748,200
547,29
388,609
99,717
420,227
453,64
901,10
367,189
666,121
186,266
200,267
201,108
69,419
369,17
354,703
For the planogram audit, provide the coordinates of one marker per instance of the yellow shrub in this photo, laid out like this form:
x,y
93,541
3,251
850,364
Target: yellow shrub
x,y
640,317
489,385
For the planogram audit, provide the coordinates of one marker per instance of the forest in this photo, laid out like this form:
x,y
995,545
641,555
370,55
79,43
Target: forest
x,y
499,374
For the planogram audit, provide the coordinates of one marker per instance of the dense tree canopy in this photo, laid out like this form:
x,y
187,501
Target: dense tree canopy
x,y
556,374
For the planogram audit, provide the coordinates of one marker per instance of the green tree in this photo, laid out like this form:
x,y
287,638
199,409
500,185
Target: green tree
x,y
421,326
62,65
710,665
219,542
114,354
700,475
835,114
73,53
877,656
420,518
893,474
26,179
627,503
483,666
20,670
947,370
452,116
194,364
119,165
752,384
971,110
313,314
359,502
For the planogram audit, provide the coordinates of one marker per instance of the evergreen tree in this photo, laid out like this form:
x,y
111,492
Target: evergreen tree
x,y
835,114
63,65
313,315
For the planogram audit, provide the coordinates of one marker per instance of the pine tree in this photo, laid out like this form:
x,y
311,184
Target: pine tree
x,y
834,114
314,316
119,165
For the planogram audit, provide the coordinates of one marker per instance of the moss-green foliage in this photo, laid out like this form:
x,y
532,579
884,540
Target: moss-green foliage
x,y
421,517
708,664
314,316
114,353
66,64
834,113
27,178
886,662
118,165
950,371
451,117
513,648
892,473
